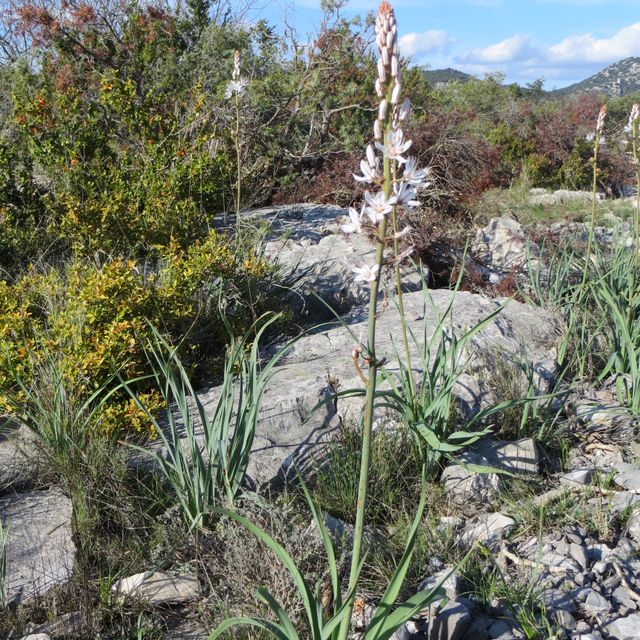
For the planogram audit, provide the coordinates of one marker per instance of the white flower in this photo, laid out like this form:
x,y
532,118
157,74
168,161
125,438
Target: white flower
x,y
414,176
366,273
235,86
353,223
394,146
378,206
406,195
405,109
377,130
370,167
395,94
401,234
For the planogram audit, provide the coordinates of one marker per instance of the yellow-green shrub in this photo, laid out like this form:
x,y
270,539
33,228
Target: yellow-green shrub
x,y
94,318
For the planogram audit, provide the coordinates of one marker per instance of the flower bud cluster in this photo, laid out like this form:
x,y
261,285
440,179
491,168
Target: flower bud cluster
x,y
237,84
601,118
390,147
634,117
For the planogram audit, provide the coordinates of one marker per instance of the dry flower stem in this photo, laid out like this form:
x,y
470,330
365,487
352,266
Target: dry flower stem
x,y
236,77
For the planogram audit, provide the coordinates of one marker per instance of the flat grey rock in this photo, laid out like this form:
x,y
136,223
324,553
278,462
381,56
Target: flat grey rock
x,y
450,623
501,245
306,241
464,485
626,628
623,500
633,528
595,604
40,551
628,479
155,588
299,416
519,457
450,587
554,598
580,477
18,458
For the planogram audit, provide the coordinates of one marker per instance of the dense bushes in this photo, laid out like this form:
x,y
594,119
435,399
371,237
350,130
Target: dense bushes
x,y
93,318
117,152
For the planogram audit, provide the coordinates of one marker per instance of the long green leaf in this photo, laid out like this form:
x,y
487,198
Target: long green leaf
x,y
276,630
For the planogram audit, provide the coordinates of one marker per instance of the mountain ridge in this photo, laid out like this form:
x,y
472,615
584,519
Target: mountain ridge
x,y
618,79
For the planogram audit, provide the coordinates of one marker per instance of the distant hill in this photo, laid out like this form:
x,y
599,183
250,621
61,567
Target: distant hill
x,y
618,79
437,76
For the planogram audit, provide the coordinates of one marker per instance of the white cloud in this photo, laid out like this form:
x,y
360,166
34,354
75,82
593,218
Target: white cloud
x,y
571,59
516,47
586,48
412,44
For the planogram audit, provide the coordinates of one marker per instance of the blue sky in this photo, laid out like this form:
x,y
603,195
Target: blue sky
x,y
562,41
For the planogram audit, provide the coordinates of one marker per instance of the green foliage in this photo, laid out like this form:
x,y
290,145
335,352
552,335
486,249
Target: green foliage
x,y
92,318
200,474
323,624
394,476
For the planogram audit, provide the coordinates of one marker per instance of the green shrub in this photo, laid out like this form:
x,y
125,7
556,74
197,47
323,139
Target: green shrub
x,y
93,318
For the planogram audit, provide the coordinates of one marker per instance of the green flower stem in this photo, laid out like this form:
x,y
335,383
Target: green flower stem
x,y
238,167
632,293
403,324
367,427
592,222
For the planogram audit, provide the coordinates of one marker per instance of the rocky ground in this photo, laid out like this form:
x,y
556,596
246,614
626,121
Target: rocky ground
x,y
582,577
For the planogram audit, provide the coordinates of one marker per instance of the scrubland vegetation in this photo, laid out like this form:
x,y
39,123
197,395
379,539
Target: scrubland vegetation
x,y
130,276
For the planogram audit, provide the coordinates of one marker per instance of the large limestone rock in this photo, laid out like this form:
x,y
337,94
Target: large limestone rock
x,y
561,196
40,551
299,414
306,242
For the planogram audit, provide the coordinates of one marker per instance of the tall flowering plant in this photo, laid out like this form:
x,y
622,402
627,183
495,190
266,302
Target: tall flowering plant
x,y
632,130
394,180
598,139
235,89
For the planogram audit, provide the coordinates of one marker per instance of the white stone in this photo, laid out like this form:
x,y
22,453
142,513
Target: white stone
x,y
501,245
488,528
578,477
156,587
